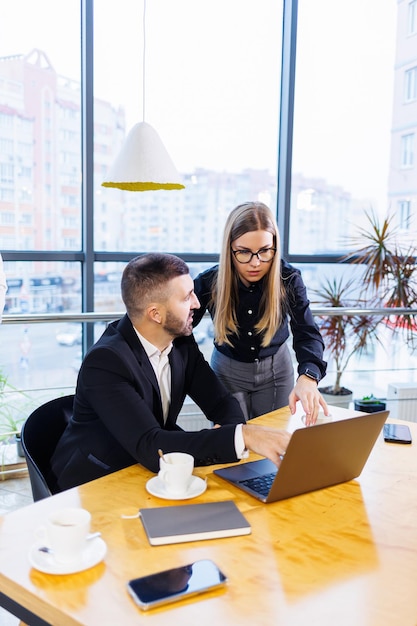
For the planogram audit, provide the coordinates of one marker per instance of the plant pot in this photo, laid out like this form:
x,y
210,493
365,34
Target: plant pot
x,y
342,399
19,447
369,407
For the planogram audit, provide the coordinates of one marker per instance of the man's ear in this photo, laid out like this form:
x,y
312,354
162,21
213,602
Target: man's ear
x,y
154,313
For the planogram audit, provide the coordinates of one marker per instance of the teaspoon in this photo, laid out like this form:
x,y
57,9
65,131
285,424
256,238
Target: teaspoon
x,y
50,551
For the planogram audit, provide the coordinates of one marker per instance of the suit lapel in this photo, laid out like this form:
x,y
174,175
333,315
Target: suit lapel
x,y
126,329
177,370
177,382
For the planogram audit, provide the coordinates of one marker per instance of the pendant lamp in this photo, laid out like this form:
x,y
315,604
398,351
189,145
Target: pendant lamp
x,y
143,163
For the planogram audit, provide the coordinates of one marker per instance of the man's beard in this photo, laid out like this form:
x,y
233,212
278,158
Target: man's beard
x,y
176,327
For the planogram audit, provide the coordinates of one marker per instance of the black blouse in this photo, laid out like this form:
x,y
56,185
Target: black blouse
x,y
307,341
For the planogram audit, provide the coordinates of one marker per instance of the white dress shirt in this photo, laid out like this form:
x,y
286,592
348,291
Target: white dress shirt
x,y
160,363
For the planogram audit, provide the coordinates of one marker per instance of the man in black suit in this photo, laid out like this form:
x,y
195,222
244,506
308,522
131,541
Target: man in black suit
x,y
133,382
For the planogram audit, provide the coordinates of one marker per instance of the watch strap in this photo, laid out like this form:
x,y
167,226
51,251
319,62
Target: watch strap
x,y
310,374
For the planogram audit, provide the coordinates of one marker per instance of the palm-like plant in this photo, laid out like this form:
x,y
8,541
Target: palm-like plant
x,y
344,335
389,280
375,250
12,415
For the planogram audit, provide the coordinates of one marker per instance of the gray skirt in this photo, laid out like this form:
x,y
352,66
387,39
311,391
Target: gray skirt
x,y
259,387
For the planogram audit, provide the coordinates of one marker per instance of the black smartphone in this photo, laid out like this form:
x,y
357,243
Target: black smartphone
x,y
397,433
175,584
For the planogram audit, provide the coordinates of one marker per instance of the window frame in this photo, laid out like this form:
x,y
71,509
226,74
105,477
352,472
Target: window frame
x,y
404,214
410,84
407,150
412,17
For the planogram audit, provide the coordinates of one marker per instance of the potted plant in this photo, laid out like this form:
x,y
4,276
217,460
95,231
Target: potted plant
x,y
369,404
12,415
388,280
10,433
343,335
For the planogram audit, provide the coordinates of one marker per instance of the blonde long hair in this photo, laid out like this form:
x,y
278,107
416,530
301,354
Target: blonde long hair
x,y
247,217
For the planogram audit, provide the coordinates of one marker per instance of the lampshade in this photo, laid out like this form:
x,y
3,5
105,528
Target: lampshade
x,y
143,163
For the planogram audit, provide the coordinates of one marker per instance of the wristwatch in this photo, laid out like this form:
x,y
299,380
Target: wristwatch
x,y
310,374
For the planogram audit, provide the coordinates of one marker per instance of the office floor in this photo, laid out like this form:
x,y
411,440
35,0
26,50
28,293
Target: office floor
x,y
14,493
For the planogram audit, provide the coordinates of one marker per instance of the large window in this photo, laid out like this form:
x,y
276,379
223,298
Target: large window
x,y
40,125
342,119
212,75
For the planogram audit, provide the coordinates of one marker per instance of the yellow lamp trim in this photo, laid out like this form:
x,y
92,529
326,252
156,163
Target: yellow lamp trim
x,y
143,163
143,186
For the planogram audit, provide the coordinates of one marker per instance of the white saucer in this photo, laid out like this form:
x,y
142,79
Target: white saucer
x,y
93,553
157,488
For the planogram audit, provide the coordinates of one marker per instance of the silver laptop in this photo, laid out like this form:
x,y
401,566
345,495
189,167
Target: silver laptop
x,y
318,456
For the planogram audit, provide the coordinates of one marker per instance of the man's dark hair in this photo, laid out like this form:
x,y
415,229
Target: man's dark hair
x,y
145,279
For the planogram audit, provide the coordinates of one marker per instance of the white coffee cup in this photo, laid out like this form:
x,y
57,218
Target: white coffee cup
x,y
176,472
66,531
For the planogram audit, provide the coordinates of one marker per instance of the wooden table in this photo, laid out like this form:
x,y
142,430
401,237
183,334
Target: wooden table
x,y
346,555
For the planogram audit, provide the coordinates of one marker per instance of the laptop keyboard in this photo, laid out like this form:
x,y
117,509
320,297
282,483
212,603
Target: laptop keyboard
x,y
260,484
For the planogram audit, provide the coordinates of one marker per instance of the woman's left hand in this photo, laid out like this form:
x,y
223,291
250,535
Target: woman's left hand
x,y
306,391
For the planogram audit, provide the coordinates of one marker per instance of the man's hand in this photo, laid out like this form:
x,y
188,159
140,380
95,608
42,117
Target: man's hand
x,y
269,442
310,397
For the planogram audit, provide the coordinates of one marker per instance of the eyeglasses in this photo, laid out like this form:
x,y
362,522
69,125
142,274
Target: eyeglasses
x,y
265,255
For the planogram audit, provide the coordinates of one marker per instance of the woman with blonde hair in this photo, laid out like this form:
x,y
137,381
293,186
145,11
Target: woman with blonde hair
x,y
254,297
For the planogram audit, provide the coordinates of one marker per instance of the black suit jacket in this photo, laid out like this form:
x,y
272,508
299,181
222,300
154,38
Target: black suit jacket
x,y
118,418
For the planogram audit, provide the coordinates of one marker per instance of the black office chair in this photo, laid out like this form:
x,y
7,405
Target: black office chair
x,y
40,434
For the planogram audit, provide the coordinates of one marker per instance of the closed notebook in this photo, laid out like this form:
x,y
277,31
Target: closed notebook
x,y
193,522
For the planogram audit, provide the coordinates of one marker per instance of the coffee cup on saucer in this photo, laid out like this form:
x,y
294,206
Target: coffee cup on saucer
x,y
65,531
176,472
